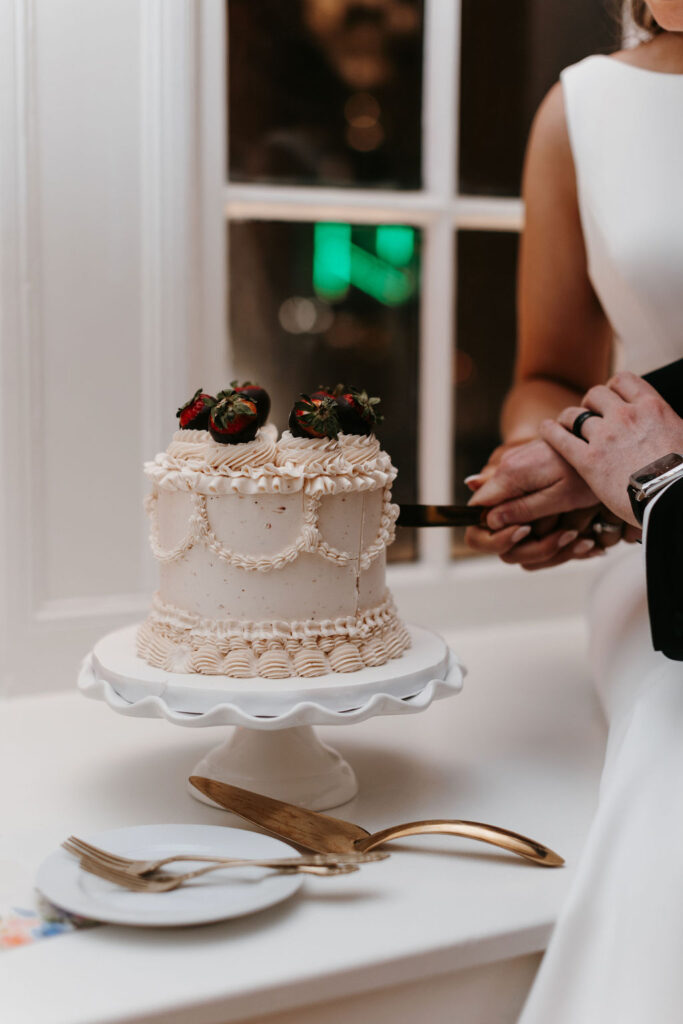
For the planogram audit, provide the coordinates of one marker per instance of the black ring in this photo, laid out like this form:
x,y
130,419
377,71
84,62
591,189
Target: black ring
x,y
579,422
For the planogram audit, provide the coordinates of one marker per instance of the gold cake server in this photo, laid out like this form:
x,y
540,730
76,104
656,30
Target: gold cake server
x,y
323,834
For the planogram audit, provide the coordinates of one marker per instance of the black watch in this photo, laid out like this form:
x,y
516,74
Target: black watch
x,y
651,479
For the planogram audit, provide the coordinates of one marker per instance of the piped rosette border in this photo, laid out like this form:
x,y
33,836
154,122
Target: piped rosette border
x,y
195,462
180,641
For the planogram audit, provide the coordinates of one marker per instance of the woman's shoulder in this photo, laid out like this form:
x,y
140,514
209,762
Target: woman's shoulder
x,y
661,54
553,129
549,127
584,75
549,151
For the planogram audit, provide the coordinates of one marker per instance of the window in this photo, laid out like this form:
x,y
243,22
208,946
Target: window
x,y
372,206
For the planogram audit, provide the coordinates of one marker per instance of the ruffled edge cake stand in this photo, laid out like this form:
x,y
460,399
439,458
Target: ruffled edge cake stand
x,y
274,750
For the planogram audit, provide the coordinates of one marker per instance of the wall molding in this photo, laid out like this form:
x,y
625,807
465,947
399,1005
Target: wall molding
x,y
179,165
183,283
21,341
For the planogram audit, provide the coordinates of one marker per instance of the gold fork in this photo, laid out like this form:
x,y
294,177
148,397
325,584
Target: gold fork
x,y
79,847
164,882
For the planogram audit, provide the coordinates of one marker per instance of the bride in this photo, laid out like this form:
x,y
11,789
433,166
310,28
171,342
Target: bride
x,y
602,257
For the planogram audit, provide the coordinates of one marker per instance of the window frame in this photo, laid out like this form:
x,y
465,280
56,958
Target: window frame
x,y
440,210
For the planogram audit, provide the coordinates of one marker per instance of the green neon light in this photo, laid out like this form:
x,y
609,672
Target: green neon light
x,y
395,243
376,278
338,263
332,260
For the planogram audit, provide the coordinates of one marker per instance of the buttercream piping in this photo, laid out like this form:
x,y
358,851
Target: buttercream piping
x,y
274,663
197,463
239,631
181,642
310,662
207,660
309,540
345,658
238,663
374,651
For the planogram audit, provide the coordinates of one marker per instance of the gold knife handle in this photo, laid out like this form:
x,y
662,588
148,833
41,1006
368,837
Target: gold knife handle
x,y
512,841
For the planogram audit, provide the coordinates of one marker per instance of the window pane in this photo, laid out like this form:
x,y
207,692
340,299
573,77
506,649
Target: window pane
x,y
511,55
326,93
314,304
485,347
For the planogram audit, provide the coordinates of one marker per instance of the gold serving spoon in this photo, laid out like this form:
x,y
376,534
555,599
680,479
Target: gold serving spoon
x,y
324,834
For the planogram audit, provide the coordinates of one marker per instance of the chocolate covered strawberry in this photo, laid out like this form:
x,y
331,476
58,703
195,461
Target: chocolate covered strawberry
x,y
314,417
257,394
357,410
233,419
194,415
325,391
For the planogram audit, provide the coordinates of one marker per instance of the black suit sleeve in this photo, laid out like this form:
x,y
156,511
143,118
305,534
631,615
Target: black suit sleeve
x,y
668,381
664,561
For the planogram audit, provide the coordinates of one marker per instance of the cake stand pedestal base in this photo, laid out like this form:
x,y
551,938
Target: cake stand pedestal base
x,y
291,764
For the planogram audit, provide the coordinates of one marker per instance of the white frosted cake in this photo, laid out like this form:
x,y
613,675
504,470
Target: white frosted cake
x,y
271,556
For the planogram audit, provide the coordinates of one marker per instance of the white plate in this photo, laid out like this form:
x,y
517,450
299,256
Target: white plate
x,y
217,896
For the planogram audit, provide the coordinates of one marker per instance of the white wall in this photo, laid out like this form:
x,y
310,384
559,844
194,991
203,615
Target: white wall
x,y
111,141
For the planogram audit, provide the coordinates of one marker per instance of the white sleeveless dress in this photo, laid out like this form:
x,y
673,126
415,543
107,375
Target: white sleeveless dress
x,y
616,955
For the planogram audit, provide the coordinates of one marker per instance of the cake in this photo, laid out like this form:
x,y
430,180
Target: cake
x,y
271,552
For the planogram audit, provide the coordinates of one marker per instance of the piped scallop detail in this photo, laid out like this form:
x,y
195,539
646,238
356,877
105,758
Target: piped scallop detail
x,y
271,526
309,539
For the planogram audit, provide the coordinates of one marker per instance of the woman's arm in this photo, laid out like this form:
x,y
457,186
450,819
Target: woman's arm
x,y
564,338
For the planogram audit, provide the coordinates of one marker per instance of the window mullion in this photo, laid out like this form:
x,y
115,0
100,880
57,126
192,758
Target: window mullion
x,y
436,413
311,203
488,213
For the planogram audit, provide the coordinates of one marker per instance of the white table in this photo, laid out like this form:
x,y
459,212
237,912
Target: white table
x,y
446,930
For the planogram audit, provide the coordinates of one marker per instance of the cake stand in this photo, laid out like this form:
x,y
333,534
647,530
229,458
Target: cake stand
x,y
274,750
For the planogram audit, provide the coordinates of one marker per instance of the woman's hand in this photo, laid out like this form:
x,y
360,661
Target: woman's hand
x,y
475,481
634,426
542,512
530,482
529,488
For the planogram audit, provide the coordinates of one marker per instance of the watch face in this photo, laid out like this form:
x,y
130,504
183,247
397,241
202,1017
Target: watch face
x,y
656,469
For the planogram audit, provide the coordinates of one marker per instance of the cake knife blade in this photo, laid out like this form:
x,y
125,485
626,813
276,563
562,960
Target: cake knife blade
x,y
441,515
324,834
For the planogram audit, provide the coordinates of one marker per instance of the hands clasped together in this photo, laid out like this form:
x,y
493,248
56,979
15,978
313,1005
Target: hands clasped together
x,y
562,496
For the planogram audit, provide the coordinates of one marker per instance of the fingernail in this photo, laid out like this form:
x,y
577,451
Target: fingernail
x,y
567,537
473,480
520,534
584,546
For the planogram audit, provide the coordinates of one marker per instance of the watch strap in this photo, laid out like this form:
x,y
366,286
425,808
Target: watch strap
x,y
638,506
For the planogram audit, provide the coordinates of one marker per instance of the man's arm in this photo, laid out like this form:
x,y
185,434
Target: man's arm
x,y
633,428
668,382
663,538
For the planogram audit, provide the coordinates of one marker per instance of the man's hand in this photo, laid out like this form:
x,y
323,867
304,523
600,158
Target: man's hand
x,y
635,426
